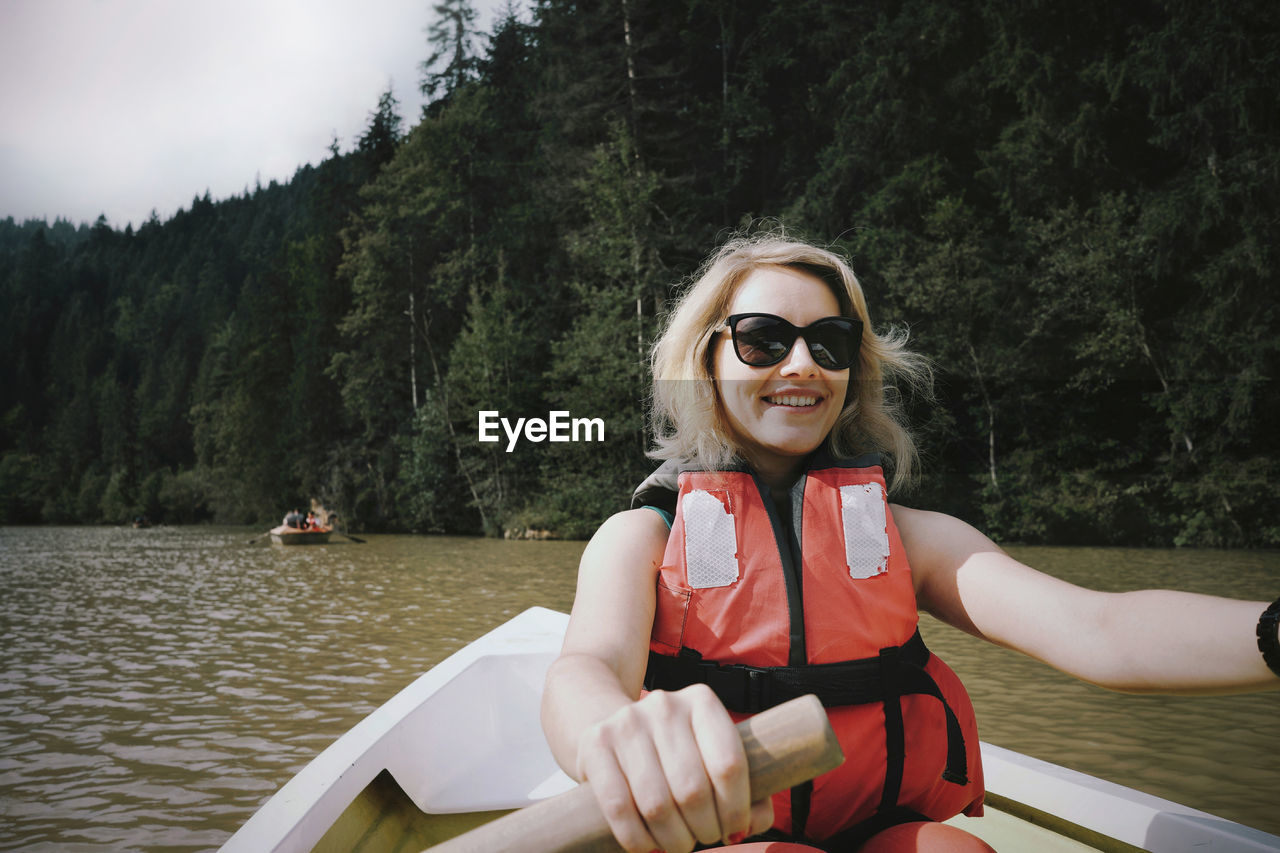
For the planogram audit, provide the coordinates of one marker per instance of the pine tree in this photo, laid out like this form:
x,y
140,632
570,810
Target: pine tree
x,y
451,36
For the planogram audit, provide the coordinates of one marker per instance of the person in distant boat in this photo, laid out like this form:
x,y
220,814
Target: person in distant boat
x,y
294,520
311,523
763,561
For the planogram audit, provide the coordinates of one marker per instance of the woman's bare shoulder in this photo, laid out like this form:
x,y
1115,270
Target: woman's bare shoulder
x,y
637,537
641,524
935,536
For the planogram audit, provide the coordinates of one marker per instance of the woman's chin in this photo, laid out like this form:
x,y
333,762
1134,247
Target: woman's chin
x,y
788,444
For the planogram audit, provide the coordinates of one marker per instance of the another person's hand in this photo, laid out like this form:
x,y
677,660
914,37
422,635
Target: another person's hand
x,y
669,771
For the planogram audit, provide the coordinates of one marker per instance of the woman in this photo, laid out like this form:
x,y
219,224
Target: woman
x,y
773,566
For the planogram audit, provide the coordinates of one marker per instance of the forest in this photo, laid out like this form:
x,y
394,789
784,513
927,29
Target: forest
x,y
1072,208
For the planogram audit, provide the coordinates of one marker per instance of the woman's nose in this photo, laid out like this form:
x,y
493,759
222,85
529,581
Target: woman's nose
x,y
799,362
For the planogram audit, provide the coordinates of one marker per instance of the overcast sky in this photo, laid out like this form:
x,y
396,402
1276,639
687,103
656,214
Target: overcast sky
x,y
122,106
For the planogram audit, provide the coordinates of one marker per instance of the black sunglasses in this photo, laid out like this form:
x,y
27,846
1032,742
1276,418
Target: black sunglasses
x,y
761,340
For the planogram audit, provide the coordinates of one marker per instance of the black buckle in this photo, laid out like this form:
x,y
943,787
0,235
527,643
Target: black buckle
x,y
742,688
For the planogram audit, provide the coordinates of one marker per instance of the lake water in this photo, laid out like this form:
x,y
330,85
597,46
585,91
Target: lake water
x,y
157,685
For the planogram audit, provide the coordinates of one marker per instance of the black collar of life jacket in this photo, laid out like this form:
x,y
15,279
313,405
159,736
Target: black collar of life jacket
x,y
661,488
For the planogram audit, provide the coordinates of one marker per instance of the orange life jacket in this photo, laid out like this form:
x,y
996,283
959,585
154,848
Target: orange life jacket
x,y
764,609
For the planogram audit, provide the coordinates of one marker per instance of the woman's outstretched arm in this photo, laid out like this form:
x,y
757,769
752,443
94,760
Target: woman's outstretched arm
x,y
1148,641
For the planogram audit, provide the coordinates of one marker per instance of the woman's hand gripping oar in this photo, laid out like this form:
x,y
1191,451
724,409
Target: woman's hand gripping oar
x,y
785,746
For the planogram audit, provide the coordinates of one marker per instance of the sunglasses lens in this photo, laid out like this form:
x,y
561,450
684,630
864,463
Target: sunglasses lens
x,y
833,343
763,340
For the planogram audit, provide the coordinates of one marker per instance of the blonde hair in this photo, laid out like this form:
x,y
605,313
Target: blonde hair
x,y
687,419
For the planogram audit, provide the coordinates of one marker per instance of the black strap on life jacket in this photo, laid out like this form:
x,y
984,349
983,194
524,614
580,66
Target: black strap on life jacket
x,y
897,671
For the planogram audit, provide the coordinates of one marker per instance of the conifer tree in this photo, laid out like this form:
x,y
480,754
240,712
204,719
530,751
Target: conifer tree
x,y
452,37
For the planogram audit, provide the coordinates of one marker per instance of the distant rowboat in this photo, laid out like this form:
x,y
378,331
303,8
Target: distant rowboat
x,y
292,536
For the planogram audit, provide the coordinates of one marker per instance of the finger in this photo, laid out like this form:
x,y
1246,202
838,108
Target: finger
x,y
613,793
725,761
652,795
682,762
761,816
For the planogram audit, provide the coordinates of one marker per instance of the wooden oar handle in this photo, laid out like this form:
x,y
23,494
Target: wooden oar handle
x,y
785,746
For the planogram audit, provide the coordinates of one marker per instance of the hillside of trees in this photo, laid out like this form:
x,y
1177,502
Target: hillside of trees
x,y
1074,208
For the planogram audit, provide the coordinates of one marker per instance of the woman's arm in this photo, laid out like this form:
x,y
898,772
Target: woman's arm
x,y
667,769
606,647
1144,641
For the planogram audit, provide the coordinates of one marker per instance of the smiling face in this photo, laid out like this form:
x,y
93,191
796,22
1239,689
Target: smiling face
x,y
780,413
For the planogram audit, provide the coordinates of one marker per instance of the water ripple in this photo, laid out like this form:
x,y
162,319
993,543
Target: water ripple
x,y
158,685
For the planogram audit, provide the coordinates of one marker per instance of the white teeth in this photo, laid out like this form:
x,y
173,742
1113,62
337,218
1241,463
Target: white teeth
x,y
793,401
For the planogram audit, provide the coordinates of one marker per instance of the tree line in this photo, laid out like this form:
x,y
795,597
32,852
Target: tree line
x,y
1072,208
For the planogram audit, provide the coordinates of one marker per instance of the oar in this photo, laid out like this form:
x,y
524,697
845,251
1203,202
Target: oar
x,y
785,746
259,536
355,539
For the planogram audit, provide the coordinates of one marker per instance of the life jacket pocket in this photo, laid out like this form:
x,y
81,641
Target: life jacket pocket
x,y
671,610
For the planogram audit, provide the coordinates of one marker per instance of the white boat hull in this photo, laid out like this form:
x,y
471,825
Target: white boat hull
x,y
463,744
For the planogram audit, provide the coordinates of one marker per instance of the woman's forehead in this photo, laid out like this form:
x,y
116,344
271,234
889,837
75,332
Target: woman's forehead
x,y
794,294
